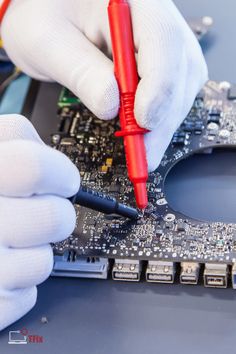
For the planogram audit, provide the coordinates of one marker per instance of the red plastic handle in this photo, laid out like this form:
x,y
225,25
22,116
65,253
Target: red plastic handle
x,y
127,78
4,8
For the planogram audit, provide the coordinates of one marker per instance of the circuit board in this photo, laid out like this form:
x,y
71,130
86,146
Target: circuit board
x,y
162,237
164,244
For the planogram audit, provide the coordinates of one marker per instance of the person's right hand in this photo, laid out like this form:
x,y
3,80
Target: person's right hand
x,y
35,181
68,41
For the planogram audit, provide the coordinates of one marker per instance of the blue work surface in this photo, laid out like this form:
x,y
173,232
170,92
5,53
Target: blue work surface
x,y
104,317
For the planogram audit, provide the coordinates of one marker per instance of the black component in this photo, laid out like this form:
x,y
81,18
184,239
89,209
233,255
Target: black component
x,y
100,202
213,119
114,188
181,227
215,112
194,125
179,139
178,142
232,93
198,128
188,126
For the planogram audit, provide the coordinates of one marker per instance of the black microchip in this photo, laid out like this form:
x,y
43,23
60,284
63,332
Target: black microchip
x,y
91,222
180,134
181,227
178,141
142,238
232,93
179,138
215,112
213,119
114,188
198,127
188,126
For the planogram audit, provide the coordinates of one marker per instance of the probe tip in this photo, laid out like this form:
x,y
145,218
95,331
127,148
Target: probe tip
x,y
140,192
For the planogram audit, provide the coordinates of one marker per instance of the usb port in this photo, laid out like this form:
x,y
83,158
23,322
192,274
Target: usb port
x,y
160,272
215,275
189,273
126,270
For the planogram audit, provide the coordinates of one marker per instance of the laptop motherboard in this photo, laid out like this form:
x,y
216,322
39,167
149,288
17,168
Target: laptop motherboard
x,y
163,246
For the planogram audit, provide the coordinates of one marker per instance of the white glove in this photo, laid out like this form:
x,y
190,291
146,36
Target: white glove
x,y
64,41
34,182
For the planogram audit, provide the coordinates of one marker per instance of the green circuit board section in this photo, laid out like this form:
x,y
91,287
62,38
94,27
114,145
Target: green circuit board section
x,y
67,99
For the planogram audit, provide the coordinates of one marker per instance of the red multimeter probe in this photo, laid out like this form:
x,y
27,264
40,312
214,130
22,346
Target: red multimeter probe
x,y
127,78
3,8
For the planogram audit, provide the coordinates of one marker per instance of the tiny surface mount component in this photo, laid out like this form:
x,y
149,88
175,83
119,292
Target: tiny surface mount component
x,y
232,93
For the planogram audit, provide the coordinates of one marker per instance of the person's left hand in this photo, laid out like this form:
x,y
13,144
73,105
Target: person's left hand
x,y
35,182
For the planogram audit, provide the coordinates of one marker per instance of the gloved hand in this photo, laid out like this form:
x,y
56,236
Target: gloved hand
x,y
34,182
69,42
